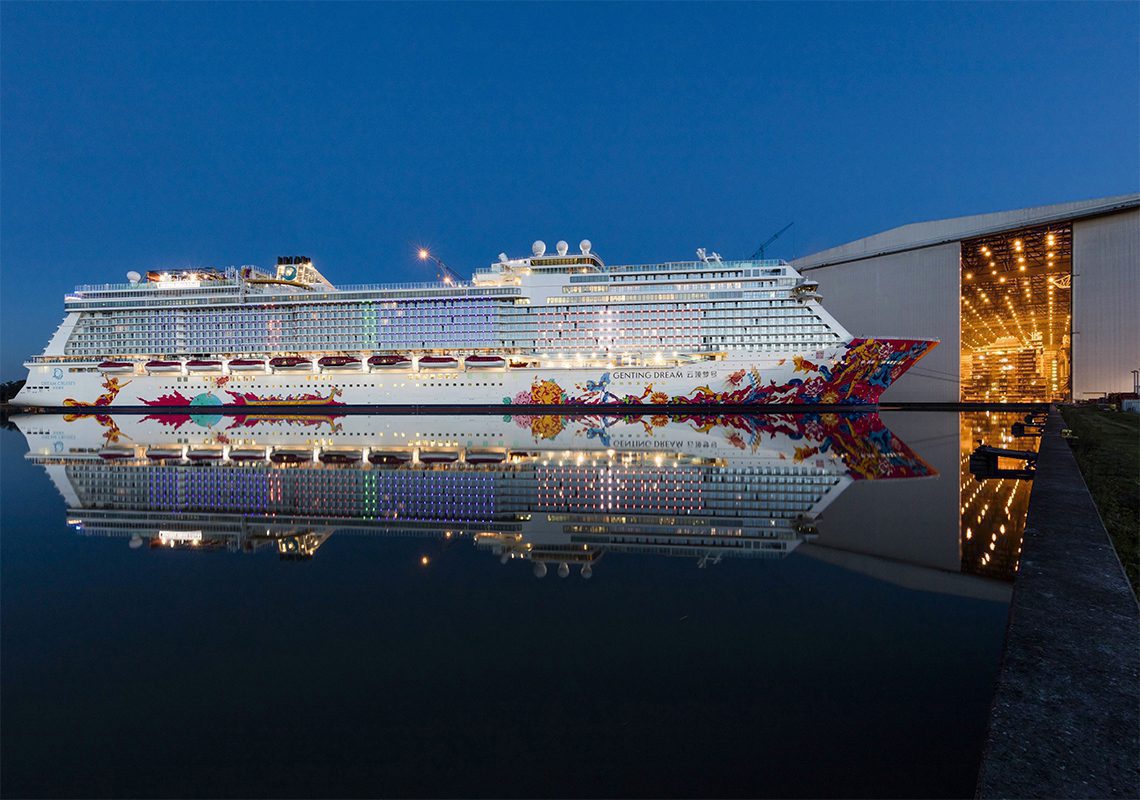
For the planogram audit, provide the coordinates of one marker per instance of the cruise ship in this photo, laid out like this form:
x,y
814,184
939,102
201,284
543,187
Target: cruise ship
x,y
554,491
551,329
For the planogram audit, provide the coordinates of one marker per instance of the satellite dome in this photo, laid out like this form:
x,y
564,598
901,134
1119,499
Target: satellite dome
x,y
133,277
561,247
563,570
585,246
587,571
538,248
136,542
505,557
539,569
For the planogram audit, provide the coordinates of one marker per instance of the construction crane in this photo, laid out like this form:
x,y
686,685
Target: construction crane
x,y
446,274
759,254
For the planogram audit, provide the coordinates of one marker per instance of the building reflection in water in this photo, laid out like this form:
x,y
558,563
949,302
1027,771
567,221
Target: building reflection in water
x,y
557,493
992,511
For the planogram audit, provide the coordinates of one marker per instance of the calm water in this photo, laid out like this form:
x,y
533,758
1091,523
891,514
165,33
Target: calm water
x,y
344,606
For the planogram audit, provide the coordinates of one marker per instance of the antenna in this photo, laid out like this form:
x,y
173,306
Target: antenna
x,y
759,254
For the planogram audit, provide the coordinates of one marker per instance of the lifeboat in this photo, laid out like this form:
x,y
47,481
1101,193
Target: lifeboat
x,y
291,456
116,366
339,362
340,456
485,457
484,362
439,457
245,364
117,453
247,454
163,453
439,362
389,457
158,365
389,362
205,455
203,365
291,363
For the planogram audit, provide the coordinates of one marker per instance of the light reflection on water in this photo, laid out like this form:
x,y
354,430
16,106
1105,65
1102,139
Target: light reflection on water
x,y
808,560
993,511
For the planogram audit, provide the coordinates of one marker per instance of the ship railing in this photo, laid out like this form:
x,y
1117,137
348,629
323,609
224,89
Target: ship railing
x,y
380,287
697,265
149,286
218,284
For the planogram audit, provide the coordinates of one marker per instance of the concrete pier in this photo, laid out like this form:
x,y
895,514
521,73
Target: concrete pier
x,y
1066,715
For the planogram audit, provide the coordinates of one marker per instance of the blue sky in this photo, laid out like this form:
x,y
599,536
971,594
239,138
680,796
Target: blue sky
x,y
138,136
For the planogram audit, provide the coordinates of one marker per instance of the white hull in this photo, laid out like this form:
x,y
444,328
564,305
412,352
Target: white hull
x,y
855,373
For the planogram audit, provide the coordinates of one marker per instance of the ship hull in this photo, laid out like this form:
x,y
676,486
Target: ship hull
x,y
853,374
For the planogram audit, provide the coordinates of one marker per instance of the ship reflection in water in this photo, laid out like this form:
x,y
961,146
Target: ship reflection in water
x,y
559,493
768,605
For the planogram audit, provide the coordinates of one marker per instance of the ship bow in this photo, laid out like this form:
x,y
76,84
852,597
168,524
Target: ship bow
x,y
871,366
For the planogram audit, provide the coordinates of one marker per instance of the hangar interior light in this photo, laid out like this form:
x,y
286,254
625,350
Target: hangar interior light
x,y
1016,315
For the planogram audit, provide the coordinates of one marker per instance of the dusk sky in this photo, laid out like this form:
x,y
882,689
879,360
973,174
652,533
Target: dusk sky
x,y
142,136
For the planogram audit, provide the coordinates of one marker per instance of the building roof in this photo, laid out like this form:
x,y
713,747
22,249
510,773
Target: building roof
x,y
927,234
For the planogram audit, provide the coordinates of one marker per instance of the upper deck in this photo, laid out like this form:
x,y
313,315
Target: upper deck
x,y
557,303
296,281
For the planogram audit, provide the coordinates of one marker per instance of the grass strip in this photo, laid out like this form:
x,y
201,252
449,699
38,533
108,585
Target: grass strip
x,y
1107,448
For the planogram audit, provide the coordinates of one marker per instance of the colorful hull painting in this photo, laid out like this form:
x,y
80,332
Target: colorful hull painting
x,y
858,439
862,374
235,422
867,447
856,373
111,384
177,399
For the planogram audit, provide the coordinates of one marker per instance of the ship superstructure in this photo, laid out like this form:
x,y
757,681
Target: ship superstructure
x,y
537,488
549,329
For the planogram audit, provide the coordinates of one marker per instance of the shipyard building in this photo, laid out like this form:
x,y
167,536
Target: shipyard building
x,y
1038,304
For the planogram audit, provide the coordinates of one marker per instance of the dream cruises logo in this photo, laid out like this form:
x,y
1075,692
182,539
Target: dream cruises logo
x,y
57,379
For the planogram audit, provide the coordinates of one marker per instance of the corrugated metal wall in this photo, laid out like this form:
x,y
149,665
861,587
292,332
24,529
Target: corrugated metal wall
x,y
909,294
1106,303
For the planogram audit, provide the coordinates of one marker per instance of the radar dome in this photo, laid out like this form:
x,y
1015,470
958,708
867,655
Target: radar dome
x,y
539,569
136,542
505,557
563,570
538,248
587,571
585,246
561,247
133,277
